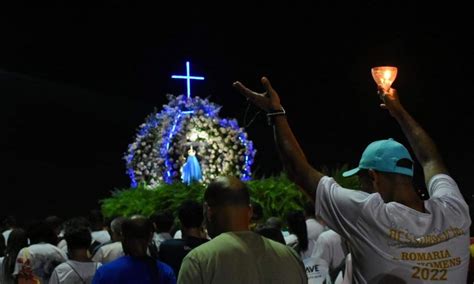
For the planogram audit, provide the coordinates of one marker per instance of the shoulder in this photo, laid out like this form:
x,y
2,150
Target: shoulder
x,y
279,248
116,264
63,267
328,235
224,241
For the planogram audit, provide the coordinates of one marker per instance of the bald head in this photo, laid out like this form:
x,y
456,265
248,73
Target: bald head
x,y
227,206
227,191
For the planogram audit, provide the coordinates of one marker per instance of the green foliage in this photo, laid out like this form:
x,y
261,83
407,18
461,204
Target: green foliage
x,y
277,195
346,182
165,197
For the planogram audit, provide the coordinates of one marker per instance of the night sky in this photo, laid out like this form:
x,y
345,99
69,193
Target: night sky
x,y
77,79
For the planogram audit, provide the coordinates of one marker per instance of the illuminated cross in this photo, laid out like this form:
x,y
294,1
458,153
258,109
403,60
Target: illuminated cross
x,y
188,78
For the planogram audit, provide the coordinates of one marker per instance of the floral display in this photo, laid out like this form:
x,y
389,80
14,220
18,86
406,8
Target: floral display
x,y
162,143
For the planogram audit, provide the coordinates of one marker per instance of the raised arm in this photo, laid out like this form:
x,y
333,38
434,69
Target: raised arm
x,y
294,160
422,145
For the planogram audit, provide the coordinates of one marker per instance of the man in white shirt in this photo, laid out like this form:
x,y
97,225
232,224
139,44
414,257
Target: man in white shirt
x,y
79,268
394,236
313,226
163,221
330,248
111,251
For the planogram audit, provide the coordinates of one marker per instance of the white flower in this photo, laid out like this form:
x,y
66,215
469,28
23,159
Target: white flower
x,y
193,136
203,135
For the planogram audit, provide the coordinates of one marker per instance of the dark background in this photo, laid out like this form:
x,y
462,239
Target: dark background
x,y
78,78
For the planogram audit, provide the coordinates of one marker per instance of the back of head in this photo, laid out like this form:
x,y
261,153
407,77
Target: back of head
x,y
77,237
137,233
190,214
17,240
227,206
274,222
227,191
138,227
116,226
96,220
55,223
271,233
38,231
163,221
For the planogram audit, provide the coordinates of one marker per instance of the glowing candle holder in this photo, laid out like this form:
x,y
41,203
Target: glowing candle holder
x,y
384,76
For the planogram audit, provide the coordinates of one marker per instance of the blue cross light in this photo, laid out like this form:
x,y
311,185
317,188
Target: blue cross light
x,y
188,78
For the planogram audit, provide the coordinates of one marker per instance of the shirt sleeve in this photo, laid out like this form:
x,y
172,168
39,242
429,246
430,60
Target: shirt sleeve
x,y
190,272
443,185
442,188
340,208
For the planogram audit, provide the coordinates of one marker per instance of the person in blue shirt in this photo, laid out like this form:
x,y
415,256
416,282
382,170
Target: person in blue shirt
x,y
136,266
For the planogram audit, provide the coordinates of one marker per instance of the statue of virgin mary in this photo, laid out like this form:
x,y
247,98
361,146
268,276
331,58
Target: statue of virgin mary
x,y
191,170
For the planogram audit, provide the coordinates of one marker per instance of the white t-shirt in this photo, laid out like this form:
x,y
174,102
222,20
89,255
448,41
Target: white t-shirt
x,y
178,235
314,229
74,272
316,270
6,234
292,241
43,259
158,238
100,236
390,241
329,248
108,253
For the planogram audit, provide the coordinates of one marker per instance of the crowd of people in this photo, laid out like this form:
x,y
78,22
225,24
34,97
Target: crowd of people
x,y
383,233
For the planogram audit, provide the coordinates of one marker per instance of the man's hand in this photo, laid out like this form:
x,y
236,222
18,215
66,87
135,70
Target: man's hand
x,y
390,100
267,101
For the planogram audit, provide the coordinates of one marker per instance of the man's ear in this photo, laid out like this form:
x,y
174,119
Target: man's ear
x,y
250,213
207,211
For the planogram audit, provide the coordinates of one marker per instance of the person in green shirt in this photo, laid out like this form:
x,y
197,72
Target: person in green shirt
x,y
235,254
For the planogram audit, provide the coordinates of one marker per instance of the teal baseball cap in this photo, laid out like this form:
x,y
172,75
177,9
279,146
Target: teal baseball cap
x,y
383,156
